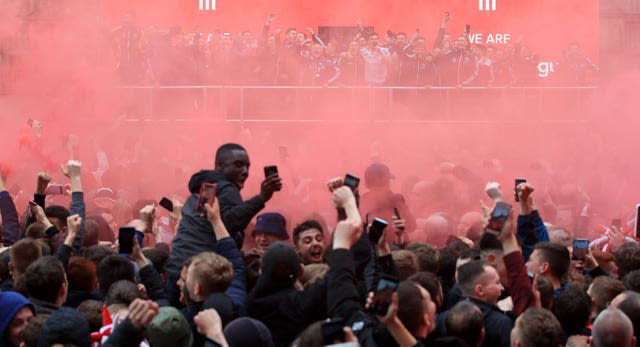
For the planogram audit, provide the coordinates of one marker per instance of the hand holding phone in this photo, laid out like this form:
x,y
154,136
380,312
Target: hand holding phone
x,y
351,181
206,196
499,216
125,239
166,203
515,188
580,249
270,170
377,229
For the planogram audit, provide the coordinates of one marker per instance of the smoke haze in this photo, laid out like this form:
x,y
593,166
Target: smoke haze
x,y
59,66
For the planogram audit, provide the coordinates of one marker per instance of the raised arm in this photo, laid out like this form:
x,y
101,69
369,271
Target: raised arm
x,y
226,247
10,224
531,229
73,171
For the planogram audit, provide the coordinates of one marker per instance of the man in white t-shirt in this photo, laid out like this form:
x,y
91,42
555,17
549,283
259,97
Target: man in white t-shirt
x,y
376,58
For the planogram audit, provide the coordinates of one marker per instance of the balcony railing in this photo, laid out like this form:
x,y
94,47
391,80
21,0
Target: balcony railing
x,y
349,104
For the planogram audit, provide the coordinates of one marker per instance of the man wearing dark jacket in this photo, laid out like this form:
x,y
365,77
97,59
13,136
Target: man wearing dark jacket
x,y
195,233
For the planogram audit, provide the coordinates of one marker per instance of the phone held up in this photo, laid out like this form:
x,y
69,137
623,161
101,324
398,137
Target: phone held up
x,y
376,229
166,203
125,239
351,181
515,187
580,248
270,170
207,195
499,216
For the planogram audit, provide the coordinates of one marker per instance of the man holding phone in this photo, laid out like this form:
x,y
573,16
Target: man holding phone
x,y
195,233
381,202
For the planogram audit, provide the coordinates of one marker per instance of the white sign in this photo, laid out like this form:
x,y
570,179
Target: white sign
x,y
206,5
487,5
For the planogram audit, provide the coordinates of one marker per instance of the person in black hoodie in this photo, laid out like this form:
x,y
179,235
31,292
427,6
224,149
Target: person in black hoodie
x,y
195,234
276,302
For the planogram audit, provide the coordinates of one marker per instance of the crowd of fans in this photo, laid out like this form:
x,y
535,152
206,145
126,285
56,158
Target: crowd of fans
x,y
354,57
203,275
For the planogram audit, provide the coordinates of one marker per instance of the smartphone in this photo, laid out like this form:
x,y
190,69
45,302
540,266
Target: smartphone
x,y
396,213
616,223
580,247
270,170
125,239
351,181
333,330
499,216
207,195
387,285
515,187
166,203
376,229
54,189
637,226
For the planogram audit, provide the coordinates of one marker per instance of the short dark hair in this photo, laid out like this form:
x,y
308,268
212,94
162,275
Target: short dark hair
x,y
44,277
428,256
557,256
539,328
632,280
92,311
603,290
573,309
429,281
158,257
465,321
410,305
57,211
35,230
23,253
81,274
628,258
406,263
468,275
96,253
489,242
112,269
224,150
304,226
545,287
122,292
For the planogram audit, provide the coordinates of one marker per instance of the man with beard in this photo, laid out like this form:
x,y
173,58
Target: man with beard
x,y
195,234
308,239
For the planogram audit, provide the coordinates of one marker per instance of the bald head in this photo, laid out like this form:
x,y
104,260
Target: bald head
x,y
612,328
436,230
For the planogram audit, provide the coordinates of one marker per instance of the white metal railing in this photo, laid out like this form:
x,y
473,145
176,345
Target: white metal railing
x,y
339,103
